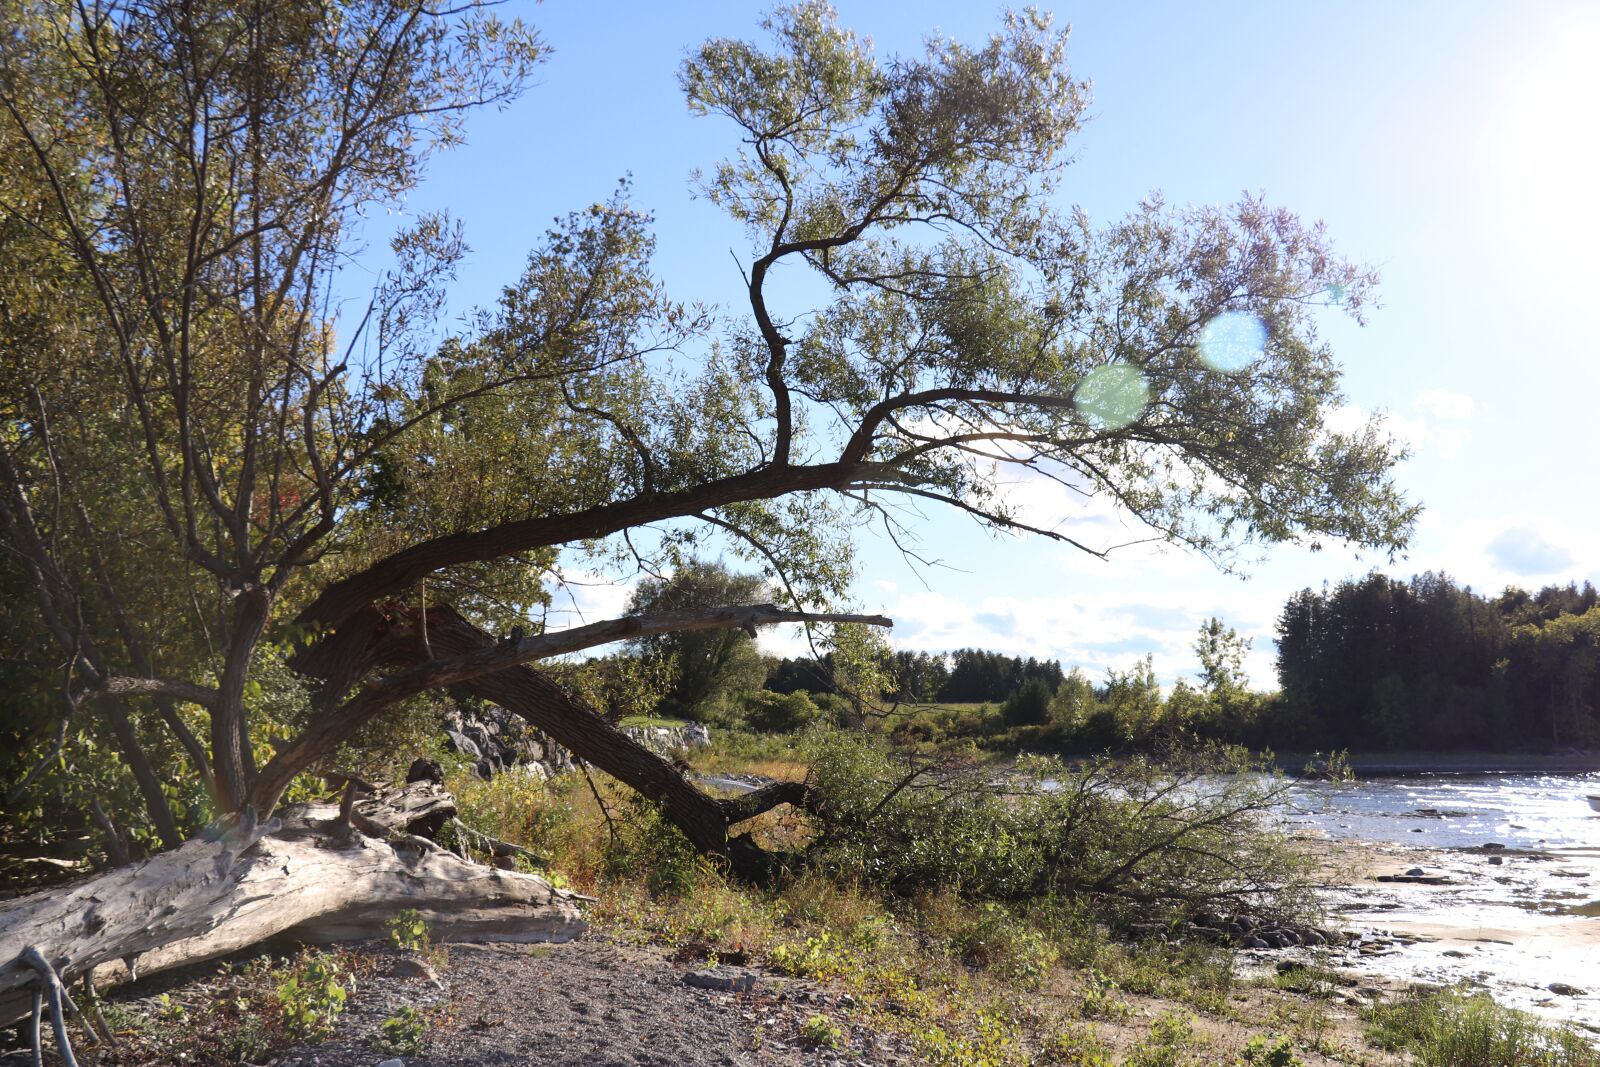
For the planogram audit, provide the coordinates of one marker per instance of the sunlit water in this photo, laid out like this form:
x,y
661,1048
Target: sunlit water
x,y
1512,927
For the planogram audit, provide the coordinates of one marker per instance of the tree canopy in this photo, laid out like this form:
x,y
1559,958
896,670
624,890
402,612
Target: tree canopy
x,y
249,535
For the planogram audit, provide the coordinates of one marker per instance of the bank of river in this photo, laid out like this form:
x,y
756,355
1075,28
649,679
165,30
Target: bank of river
x,y
1492,879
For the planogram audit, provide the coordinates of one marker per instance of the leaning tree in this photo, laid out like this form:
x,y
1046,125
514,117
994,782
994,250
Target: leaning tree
x,y
254,521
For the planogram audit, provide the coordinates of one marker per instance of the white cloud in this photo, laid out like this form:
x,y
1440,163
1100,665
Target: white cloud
x,y
1444,404
1432,427
1522,549
1093,631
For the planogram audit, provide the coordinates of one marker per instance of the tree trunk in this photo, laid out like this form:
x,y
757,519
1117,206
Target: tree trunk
x,y
308,876
534,696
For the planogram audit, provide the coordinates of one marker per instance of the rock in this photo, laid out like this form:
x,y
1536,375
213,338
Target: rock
x,y
730,979
1290,966
1255,942
1415,872
1562,989
396,1062
1495,861
1316,937
1492,846
425,770
459,742
412,967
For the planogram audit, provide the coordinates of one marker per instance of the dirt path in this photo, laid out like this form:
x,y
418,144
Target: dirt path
x,y
589,1004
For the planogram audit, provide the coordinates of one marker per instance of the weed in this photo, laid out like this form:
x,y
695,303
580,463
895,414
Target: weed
x,y
401,1033
1452,1029
818,1031
311,995
1168,1044
1260,1052
408,932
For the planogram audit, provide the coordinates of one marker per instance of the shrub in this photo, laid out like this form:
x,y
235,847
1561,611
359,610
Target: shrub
x,y
647,844
402,1033
1138,836
1029,705
311,995
407,931
999,941
1259,1052
1450,1029
818,1031
1168,1043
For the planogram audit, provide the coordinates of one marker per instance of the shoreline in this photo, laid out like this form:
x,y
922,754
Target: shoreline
x,y
1424,761
1516,923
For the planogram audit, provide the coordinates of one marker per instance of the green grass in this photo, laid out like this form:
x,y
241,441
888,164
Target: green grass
x,y
1452,1029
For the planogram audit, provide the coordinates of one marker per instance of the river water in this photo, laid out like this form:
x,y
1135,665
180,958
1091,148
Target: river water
x,y
1513,918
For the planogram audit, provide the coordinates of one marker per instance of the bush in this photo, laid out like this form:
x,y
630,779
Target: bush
x,y
402,1033
1142,838
311,995
1263,1053
1450,1029
1029,705
778,713
647,844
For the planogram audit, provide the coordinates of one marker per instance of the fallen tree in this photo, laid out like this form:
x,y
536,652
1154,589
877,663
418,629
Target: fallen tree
x,y
313,874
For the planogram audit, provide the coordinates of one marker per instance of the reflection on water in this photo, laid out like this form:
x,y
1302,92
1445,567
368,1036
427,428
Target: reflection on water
x,y
1523,811
1512,918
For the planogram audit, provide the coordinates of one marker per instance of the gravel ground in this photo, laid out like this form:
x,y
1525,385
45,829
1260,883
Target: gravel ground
x,y
591,1003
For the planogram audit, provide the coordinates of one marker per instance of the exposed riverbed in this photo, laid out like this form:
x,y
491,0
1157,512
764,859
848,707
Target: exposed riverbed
x,y
1492,879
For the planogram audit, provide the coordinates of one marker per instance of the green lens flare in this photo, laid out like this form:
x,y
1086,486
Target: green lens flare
x,y
1112,396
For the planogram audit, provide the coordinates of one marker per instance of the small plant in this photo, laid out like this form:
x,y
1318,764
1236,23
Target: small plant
x,y
818,1031
249,1040
311,995
1263,1053
1099,998
408,932
401,1033
1451,1029
1168,1043
1077,1047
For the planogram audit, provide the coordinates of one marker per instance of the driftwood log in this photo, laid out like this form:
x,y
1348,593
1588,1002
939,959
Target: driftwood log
x,y
307,875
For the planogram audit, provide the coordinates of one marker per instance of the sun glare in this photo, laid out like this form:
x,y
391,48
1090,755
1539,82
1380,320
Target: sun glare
x,y
1548,142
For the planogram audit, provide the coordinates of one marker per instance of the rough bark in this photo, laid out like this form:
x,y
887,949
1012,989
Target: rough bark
x,y
307,876
705,820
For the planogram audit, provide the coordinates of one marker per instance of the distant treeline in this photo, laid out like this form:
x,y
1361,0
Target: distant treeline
x,y
1368,664
1383,663
966,676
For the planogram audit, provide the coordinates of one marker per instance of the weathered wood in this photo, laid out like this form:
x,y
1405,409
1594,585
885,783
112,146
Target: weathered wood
x,y
305,877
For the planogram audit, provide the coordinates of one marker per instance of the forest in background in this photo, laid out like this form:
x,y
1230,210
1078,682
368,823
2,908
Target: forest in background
x,y
1371,663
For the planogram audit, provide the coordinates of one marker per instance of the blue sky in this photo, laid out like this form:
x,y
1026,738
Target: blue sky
x,y
1451,145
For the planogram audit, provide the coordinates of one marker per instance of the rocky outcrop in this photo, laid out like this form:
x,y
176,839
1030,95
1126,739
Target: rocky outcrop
x,y
498,741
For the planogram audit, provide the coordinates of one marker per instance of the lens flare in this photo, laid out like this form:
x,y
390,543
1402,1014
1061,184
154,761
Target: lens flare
x,y
1112,396
1232,341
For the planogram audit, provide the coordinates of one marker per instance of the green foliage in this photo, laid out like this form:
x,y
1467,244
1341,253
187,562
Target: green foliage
x,y
1136,835
1170,1042
408,932
1453,1029
402,1034
1429,662
311,995
1261,1052
705,665
644,843
1076,1047
998,941
775,713
818,1031
1029,705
